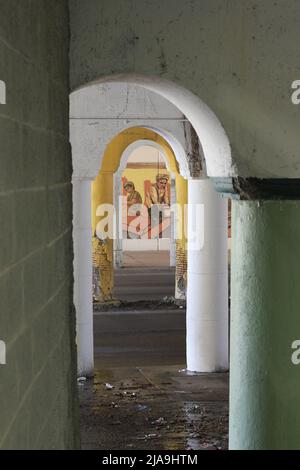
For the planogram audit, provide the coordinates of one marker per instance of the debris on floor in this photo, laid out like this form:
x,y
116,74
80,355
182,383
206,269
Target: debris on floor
x,y
81,380
167,303
154,408
109,386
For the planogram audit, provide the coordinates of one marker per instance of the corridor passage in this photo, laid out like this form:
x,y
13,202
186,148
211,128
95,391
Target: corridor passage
x,y
144,283
140,396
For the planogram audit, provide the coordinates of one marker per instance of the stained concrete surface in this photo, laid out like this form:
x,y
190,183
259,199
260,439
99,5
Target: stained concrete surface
x,y
146,258
139,338
155,407
237,56
144,283
154,403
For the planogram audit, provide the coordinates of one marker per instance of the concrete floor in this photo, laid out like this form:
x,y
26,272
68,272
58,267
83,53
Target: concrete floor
x,y
153,404
146,258
144,283
139,338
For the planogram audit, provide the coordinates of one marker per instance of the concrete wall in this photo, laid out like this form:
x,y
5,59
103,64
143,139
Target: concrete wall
x,y
239,56
38,403
100,112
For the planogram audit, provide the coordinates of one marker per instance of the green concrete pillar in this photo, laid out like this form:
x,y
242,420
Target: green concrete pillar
x,y
265,320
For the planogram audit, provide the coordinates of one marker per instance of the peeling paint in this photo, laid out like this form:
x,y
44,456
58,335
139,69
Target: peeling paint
x,y
196,161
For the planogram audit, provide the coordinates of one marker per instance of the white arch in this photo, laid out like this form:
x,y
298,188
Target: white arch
x,y
176,146
87,161
91,132
207,271
118,245
213,139
82,232
137,144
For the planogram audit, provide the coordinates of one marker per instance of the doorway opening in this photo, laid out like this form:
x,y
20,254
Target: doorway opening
x,y
145,180
152,349
149,219
144,260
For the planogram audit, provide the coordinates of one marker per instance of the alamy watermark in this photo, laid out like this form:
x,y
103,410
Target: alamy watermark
x,y
295,357
139,221
2,343
2,353
296,93
2,92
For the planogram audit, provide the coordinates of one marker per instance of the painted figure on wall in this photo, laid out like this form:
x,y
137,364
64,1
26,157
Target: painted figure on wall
x,y
158,192
157,200
133,196
153,220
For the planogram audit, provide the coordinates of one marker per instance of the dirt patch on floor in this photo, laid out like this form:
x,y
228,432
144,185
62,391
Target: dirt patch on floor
x,y
167,303
154,408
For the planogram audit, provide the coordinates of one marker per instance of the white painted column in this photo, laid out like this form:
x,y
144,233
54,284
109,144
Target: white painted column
x,y
82,236
207,289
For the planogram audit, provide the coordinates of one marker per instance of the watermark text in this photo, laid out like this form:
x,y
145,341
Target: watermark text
x,y
296,93
2,92
2,353
138,221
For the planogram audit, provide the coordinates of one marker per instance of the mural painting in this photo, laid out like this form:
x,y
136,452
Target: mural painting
x,y
146,204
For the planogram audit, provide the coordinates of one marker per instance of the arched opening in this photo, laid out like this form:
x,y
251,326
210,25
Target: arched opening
x,y
212,138
114,159
205,152
142,164
206,272
145,253
148,289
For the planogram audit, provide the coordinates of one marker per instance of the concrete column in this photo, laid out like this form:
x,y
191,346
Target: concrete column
x,y
207,289
82,236
265,322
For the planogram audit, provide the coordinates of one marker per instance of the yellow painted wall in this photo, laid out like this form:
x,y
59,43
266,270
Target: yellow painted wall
x,y
102,192
118,145
181,251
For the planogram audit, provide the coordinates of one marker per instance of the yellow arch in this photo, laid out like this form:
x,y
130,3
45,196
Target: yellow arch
x,y
103,193
115,149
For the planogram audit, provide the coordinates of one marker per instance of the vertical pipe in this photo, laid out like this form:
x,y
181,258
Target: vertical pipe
x,y
82,236
207,290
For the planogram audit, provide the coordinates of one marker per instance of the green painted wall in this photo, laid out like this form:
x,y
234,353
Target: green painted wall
x,y
265,320
239,56
38,404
